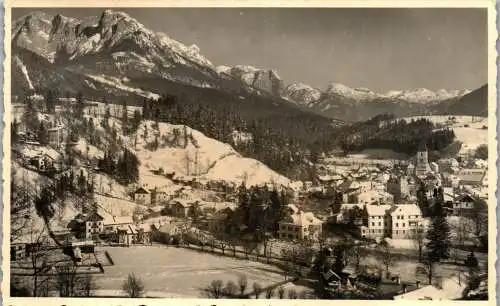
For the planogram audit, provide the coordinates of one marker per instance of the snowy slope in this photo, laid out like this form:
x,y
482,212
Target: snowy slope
x,y
201,156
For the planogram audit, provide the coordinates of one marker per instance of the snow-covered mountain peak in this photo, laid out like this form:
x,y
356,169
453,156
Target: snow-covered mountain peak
x,y
301,93
357,94
424,95
192,52
223,69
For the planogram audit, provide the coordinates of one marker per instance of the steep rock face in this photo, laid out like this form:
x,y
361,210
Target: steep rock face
x,y
112,44
301,94
266,80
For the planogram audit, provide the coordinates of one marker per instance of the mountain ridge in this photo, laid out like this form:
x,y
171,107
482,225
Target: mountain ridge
x,y
97,53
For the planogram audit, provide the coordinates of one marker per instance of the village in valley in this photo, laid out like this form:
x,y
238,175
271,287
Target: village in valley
x,y
370,217
136,174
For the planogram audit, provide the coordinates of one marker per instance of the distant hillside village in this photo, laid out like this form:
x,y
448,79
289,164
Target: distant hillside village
x,y
81,170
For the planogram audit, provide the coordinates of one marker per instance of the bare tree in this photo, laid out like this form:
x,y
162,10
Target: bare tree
x,y
292,294
212,243
248,247
223,245
257,289
38,257
20,203
291,257
418,237
267,245
357,252
215,289
87,285
67,279
386,257
281,292
303,295
242,284
133,286
427,268
230,289
269,292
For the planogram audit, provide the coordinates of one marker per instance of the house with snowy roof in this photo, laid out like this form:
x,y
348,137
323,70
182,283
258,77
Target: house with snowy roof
x,y
183,207
300,226
112,223
374,197
473,177
450,288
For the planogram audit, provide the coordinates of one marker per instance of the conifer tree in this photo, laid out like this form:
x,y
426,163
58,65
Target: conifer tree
x,y
43,135
79,106
438,234
50,101
422,200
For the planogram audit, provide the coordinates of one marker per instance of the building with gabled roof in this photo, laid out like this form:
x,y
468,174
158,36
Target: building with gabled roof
x,y
89,224
473,177
394,221
406,220
300,226
142,196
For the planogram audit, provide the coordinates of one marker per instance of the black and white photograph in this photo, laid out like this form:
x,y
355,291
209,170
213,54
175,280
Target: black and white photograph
x,y
285,153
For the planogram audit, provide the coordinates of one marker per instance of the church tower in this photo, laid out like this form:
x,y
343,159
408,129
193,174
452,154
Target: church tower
x,y
422,162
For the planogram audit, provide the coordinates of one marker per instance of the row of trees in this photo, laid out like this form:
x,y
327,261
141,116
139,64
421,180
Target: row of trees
x,y
216,290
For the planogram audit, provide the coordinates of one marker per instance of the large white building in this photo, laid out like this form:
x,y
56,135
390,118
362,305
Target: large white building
x,y
394,221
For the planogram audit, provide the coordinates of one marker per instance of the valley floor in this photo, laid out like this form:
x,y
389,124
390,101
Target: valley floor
x,y
179,272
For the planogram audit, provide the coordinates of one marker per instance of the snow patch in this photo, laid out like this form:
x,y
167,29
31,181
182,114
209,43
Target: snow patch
x,y
118,84
24,71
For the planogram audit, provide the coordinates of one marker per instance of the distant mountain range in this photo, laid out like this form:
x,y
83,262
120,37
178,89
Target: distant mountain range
x,y
113,55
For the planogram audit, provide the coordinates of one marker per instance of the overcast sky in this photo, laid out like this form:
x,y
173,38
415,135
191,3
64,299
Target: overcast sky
x,y
380,49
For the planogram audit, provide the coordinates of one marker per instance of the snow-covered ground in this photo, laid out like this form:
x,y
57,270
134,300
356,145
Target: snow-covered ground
x,y
201,156
470,131
471,138
180,272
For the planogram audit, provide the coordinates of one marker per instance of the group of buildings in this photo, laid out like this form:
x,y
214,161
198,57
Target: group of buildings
x,y
100,225
384,203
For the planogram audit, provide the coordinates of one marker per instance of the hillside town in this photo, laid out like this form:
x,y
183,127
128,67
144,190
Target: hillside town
x,y
374,207
152,174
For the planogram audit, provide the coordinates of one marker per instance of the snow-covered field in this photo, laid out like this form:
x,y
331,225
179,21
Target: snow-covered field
x,y
470,131
180,272
471,138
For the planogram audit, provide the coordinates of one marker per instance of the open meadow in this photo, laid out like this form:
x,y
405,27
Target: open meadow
x,y
179,272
